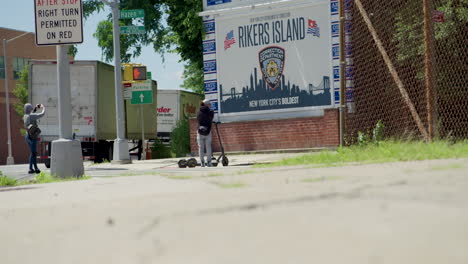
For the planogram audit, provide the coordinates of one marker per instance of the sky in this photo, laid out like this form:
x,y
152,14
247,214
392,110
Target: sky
x,y
19,14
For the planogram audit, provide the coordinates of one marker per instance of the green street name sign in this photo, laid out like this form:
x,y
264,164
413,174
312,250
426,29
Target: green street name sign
x,y
132,30
142,97
124,14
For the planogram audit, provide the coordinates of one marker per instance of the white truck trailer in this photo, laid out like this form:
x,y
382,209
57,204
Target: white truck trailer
x,y
172,106
93,108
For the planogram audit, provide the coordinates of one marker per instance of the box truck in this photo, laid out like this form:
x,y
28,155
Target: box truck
x,y
172,106
93,108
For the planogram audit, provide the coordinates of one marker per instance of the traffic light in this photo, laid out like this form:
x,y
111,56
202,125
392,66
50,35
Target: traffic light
x,y
139,73
134,72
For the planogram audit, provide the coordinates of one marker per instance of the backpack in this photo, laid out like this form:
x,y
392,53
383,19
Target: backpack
x,y
33,131
203,130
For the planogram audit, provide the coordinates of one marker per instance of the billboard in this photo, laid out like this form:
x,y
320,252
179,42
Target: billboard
x,y
279,60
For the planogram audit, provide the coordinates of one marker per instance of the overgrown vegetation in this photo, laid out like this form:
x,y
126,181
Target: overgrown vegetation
x,y
385,151
38,178
21,91
6,181
180,138
377,135
160,150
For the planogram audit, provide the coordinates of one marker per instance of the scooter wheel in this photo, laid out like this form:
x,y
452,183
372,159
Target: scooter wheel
x,y
182,163
225,161
191,163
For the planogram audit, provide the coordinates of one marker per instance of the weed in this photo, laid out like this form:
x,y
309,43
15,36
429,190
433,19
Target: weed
x,y
7,181
44,177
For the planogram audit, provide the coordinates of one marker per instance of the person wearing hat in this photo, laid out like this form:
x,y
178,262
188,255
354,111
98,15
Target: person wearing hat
x,y
205,117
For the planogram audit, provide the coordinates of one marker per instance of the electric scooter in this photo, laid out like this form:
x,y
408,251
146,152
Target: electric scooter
x,y
192,162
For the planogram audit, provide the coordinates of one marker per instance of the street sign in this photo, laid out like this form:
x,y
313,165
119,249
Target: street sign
x,y
148,76
124,14
132,30
141,86
130,87
58,22
127,91
142,97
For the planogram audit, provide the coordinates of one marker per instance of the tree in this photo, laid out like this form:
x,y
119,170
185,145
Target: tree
x,y
171,26
21,91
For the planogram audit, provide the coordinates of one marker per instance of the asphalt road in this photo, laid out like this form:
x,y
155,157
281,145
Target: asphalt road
x,y
411,212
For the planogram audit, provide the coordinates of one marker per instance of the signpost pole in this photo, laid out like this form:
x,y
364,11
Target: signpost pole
x,y
143,154
10,159
67,159
121,155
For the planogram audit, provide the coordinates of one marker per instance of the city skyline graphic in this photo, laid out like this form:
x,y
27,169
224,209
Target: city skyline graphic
x,y
247,98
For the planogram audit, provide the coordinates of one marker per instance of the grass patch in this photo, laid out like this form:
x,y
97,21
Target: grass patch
x,y
38,178
179,177
385,151
231,185
47,178
7,181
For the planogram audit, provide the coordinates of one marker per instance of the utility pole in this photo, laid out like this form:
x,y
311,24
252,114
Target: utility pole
x,y
121,155
10,160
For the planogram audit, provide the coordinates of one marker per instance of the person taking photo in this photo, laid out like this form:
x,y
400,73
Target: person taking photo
x,y
32,132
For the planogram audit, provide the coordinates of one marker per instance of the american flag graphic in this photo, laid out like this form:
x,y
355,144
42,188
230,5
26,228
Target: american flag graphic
x,y
229,40
313,28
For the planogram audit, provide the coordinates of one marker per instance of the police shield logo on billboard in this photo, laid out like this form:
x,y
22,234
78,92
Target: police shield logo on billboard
x,y
271,61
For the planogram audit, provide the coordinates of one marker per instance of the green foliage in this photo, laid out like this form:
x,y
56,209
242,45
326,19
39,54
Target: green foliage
x,y
44,177
409,37
450,36
377,135
363,138
91,6
106,40
378,132
7,181
385,151
171,26
193,77
21,91
160,151
180,138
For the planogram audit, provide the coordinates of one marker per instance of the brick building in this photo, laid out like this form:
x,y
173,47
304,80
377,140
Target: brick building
x,y
19,52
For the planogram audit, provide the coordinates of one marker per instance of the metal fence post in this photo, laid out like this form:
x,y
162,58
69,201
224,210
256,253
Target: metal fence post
x,y
429,67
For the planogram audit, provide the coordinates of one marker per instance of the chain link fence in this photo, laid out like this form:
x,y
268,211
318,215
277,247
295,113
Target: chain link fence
x,y
407,66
